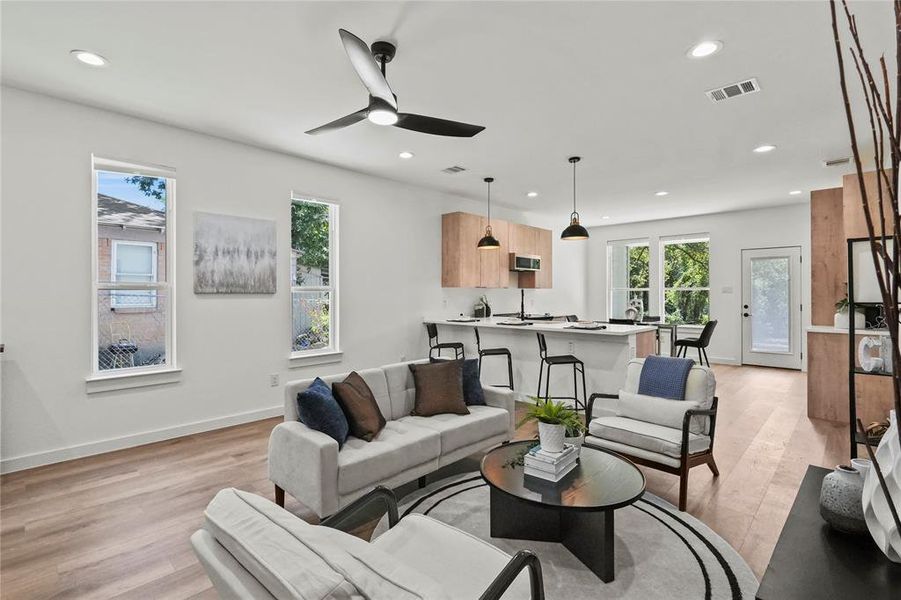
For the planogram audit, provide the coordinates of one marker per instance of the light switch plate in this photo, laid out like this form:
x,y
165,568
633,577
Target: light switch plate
x,y
727,289
273,380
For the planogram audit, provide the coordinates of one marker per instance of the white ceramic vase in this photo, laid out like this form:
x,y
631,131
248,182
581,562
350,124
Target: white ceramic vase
x,y
875,505
575,441
551,436
842,320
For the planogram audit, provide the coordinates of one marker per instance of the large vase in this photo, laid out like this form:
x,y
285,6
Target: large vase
x,y
840,500
875,505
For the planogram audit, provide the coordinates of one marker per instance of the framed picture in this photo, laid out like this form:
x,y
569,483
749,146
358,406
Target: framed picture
x,y
234,255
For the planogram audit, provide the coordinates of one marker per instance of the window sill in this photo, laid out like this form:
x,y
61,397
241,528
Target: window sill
x,y
124,381
305,359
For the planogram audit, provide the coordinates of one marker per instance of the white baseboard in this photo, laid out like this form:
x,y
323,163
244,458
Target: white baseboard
x,y
724,360
28,461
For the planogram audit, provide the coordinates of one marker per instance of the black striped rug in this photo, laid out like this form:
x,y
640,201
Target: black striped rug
x,y
660,552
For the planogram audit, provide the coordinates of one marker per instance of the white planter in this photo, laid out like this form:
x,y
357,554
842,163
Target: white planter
x,y
575,441
841,320
875,505
551,437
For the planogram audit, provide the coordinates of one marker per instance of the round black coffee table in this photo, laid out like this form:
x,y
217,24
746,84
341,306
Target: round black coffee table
x,y
577,511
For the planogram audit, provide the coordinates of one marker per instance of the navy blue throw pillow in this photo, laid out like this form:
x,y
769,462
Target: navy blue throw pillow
x,y
473,394
318,409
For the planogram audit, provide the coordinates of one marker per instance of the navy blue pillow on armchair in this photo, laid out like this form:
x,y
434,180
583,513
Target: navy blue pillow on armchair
x,y
318,409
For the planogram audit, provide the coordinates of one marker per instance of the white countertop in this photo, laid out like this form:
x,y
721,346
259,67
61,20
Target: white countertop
x,y
545,326
830,329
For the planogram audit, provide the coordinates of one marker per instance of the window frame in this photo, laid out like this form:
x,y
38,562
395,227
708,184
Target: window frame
x,y
154,266
628,243
662,289
168,286
333,288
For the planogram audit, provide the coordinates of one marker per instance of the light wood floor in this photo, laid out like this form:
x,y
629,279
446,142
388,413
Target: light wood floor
x,y
117,525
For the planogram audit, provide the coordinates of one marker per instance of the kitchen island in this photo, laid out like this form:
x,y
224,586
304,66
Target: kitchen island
x,y
605,352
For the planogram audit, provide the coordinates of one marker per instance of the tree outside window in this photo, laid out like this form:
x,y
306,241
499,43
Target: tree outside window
x,y
312,281
686,281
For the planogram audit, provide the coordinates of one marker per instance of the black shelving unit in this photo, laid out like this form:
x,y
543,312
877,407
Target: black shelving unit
x,y
853,370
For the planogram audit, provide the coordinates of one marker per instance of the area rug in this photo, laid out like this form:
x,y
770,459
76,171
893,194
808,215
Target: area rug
x,y
660,552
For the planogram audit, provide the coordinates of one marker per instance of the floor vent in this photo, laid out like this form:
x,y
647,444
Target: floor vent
x,y
734,90
454,169
835,162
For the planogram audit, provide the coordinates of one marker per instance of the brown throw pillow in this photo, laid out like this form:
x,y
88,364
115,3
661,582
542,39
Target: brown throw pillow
x,y
359,406
439,389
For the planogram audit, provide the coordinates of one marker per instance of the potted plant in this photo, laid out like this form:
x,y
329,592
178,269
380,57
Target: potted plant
x,y
554,420
842,320
575,431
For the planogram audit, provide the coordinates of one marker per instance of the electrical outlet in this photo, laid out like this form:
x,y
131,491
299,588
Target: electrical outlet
x,y
273,380
572,347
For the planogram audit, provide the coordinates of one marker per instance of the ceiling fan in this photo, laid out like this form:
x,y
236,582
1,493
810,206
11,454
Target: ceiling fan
x,y
382,110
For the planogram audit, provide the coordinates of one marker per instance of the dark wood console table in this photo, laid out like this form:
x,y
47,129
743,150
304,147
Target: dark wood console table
x,y
811,560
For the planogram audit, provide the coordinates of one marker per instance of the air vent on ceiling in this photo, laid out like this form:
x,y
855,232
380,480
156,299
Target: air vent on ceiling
x,y
734,90
835,162
453,170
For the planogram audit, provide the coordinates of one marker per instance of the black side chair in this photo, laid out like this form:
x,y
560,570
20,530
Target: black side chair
x,y
434,344
701,342
563,359
495,352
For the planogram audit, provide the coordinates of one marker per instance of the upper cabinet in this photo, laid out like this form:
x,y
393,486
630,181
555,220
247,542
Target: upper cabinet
x,y
464,265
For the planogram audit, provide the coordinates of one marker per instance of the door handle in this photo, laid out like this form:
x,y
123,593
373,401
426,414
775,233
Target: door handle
x,y
746,315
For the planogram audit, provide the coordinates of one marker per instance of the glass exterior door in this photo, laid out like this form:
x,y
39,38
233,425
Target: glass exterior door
x,y
771,307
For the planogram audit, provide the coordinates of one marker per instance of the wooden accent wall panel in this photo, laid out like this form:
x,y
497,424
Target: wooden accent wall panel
x,y
827,382
645,344
854,218
828,254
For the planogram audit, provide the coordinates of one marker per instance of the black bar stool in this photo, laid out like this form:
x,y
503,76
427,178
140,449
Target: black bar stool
x,y
701,342
495,352
563,359
434,344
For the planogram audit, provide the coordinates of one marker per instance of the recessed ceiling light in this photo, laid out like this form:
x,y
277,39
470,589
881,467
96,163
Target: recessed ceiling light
x,y
765,148
662,193
406,154
605,217
532,194
795,192
89,58
705,48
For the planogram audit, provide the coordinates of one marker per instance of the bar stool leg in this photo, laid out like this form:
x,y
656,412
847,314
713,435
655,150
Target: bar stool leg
x,y
540,375
510,370
480,365
547,384
584,395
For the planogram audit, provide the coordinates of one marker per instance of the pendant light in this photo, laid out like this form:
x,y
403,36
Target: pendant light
x,y
489,242
575,231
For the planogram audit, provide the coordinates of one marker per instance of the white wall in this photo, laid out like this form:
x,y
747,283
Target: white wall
x,y
729,234
227,345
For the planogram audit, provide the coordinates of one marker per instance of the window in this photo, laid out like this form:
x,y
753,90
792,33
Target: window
x,y
629,277
134,262
686,280
314,276
133,320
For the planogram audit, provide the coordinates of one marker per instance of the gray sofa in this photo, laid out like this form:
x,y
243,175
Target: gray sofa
x,y
308,465
252,549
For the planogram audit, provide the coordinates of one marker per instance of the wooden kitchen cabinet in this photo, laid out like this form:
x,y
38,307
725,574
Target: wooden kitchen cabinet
x,y
464,265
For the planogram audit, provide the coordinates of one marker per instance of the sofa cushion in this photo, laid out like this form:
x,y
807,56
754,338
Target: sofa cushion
x,y
294,559
318,409
439,388
648,436
662,411
401,388
458,431
398,447
362,411
445,554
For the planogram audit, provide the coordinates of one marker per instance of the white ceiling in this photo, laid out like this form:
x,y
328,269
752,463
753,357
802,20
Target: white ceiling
x,y
607,81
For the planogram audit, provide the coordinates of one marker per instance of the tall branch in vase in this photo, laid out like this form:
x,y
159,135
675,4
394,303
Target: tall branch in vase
x,y
879,204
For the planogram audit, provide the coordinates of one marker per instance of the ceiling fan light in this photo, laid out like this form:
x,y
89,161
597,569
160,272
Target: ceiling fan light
x,y
382,116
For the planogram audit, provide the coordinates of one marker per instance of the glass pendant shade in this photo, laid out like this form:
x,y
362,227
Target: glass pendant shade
x,y
575,231
488,241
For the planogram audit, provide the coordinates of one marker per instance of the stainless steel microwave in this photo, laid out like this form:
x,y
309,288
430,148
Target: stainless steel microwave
x,y
524,262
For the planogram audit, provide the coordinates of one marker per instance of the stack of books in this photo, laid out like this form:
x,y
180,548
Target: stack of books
x,y
550,466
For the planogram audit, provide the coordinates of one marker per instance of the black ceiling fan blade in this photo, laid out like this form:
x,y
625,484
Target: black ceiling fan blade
x,y
341,123
364,64
436,126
